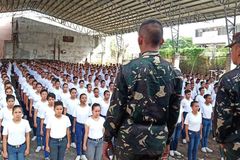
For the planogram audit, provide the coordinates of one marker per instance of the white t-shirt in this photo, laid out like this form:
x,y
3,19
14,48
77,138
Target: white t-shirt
x,y
95,127
40,107
104,108
186,105
57,93
98,100
200,100
6,115
81,91
58,126
36,97
71,105
64,98
193,121
16,131
207,111
82,113
47,113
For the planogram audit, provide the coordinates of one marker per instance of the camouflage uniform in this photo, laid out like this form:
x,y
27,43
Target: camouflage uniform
x,y
143,107
227,111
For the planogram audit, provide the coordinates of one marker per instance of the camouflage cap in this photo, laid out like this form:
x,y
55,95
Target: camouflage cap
x,y
236,39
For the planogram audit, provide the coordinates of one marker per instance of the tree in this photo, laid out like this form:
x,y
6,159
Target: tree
x,y
189,52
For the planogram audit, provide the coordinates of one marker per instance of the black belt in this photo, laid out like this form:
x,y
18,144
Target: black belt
x,y
58,139
16,146
96,140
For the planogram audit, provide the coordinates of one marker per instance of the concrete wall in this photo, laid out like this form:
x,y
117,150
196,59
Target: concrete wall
x,y
5,33
35,40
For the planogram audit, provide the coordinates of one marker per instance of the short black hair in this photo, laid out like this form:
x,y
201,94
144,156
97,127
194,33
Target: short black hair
x,y
72,89
187,91
51,95
201,88
58,103
206,95
10,97
106,91
193,102
15,107
43,90
152,30
95,105
83,94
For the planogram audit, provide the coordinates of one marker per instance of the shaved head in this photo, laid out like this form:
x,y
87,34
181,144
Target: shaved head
x,y
152,32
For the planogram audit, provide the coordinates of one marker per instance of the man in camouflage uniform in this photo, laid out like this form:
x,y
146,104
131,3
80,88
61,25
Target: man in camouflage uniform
x,y
145,103
227,109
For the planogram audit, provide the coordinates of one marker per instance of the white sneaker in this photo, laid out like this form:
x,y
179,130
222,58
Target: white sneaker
x,y
73,145
83,157
38,149
204,150
222,158
77,158
177,153
209,150
171,153
34,138
184,141
42,147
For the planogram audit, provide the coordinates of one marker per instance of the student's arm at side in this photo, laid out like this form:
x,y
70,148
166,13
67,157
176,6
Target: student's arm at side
x,y
68,138
27,150
85,138
47,139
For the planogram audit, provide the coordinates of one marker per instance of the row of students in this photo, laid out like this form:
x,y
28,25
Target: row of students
x,y
188,122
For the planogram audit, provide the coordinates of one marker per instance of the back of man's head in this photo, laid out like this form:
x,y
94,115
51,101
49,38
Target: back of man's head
x,y
152,32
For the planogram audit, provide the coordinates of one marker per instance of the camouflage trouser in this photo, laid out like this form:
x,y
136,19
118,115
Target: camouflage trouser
x,y
128,156
232,151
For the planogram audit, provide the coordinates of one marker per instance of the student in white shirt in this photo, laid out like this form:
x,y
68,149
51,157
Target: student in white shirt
x,y
80,114
102,88
105,103
207,111
71,104
34,98
193,128
58,134
200,97
45,116
186,106
89,94
38,109
96,98
64,96
16,136
57,90
93,138
177,131
81,88
6,112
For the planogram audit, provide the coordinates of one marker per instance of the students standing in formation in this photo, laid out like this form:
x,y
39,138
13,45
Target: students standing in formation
x,y
79,86
93,138
58,133
16,136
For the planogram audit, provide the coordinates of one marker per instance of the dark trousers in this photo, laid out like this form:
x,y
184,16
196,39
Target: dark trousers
x,y
183,130
71,128
80,130
176,135
31,122
57,148
194,140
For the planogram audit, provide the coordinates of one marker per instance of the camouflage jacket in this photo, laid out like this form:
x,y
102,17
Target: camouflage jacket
x,y
145,101
227,108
